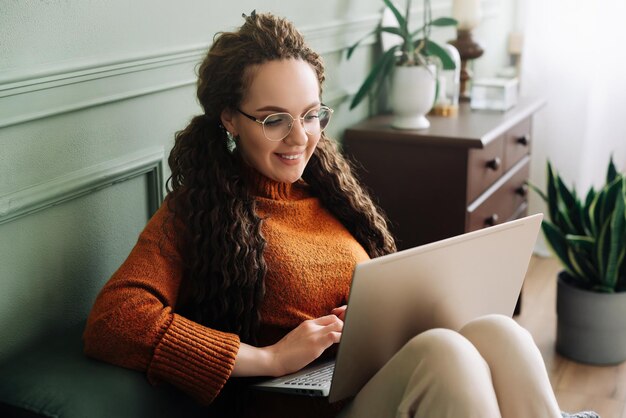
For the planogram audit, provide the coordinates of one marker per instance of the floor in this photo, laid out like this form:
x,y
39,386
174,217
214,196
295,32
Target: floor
x,y
577,386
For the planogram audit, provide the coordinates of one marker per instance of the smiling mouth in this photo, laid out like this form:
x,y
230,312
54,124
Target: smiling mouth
x,y
290,156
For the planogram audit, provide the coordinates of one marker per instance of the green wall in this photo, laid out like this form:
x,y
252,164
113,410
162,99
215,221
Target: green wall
x,y
91,94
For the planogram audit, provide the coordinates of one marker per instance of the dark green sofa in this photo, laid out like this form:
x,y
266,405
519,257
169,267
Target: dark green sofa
x,y
54,379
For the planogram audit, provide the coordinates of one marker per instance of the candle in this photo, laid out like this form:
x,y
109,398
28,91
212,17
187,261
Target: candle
x,y
467,12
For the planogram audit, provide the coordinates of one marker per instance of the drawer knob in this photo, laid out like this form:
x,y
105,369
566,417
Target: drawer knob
x,y
492,220
523,140
494,163
522,190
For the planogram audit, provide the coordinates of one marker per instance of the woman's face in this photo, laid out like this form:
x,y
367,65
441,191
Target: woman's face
x,y
287,86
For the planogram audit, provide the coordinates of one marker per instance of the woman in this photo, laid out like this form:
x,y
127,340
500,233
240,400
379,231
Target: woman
x,y
245,269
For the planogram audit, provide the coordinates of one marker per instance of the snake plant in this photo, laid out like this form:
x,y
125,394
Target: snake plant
x,y
416,48
588,236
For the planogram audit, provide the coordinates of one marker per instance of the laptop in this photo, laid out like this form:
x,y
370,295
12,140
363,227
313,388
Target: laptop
x,y
444,284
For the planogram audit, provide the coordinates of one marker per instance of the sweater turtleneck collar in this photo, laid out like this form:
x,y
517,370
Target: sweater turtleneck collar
x,y
262,186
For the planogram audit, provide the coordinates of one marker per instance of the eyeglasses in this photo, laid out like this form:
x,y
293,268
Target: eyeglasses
x,y
277,126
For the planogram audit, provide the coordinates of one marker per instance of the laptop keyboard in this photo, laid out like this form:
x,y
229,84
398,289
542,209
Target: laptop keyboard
x,y
318,377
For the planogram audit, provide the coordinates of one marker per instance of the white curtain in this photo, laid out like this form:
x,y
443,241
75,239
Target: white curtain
x,y
574,56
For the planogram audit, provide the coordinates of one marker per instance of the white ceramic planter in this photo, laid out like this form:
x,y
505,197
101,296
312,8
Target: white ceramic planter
x,y
412,96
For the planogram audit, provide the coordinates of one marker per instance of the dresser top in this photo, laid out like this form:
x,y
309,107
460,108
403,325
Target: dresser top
x,y
469,129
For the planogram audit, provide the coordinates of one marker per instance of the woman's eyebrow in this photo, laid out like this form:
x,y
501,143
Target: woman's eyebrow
x,y
282,109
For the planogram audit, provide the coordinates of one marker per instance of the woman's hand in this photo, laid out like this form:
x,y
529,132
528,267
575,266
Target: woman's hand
x,y
305,343
295,350
340,312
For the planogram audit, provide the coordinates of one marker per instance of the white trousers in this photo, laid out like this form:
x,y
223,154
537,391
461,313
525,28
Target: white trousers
x,y
489,369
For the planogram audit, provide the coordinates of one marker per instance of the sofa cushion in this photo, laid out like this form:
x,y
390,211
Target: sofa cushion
x,y
54,379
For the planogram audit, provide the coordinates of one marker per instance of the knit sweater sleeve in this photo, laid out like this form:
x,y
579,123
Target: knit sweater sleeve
x,y
133,321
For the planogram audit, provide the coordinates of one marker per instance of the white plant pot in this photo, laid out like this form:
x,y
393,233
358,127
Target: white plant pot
x,y
412,96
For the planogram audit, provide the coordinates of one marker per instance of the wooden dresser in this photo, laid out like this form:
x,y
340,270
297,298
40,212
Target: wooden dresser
x,y
461,174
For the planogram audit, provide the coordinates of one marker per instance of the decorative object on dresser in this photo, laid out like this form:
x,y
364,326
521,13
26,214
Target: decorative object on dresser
x,y
448,89
468,15
494,93
589,238
412,96
415,57
461,174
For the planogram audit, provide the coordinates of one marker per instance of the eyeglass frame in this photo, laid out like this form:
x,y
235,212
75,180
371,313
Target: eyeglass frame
x,y
301,118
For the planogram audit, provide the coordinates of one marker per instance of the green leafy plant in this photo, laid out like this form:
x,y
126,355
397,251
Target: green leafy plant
x,y
416,48
588,236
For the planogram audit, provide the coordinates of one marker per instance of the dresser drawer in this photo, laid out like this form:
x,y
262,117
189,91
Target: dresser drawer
x,y
484,167
501,204
516,143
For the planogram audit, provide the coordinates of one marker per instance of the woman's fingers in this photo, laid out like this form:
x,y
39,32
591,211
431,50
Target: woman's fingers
x,y
326,320
334,337
305,343
335,326
331,333
340,312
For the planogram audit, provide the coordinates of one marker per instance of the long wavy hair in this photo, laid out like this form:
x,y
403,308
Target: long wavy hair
x,y
223,284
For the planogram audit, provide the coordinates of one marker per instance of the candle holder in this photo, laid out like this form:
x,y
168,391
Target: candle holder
x,y
468,50
447,102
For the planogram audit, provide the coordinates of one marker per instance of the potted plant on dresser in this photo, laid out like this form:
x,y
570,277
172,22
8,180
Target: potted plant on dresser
x,y
589,238
414,67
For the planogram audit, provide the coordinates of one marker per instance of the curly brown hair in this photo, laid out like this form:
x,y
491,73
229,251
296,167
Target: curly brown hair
x,y
223,285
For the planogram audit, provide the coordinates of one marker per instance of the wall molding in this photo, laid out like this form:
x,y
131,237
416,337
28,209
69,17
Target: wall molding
x,y
79,183
50,92
16,83
84,85
47,92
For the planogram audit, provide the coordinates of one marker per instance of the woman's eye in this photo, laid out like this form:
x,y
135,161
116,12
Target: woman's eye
x,y
275,120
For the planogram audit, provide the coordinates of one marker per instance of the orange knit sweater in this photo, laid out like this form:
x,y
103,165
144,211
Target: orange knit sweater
x,y
310,257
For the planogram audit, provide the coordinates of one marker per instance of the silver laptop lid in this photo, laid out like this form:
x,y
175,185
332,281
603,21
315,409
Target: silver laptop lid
x,y
442,284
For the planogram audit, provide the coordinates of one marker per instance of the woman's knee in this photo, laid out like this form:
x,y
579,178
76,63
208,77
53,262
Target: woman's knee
x,y
440,348
492,328
450,375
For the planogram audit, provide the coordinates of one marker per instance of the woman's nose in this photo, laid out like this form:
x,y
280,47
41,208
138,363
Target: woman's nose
x,y
297,135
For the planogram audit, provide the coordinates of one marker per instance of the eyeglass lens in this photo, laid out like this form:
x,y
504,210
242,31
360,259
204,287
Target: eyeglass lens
x,y
277,126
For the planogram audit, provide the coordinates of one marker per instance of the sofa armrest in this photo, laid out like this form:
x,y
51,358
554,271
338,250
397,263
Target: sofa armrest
x,y
54,379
